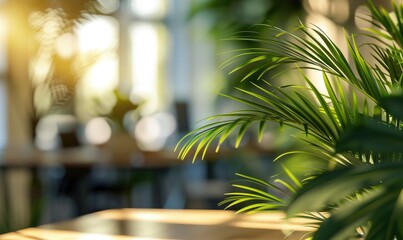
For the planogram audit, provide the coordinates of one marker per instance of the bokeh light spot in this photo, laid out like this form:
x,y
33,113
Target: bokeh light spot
x,y
98,131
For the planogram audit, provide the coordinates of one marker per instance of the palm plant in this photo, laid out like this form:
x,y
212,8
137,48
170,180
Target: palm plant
x,y
355,127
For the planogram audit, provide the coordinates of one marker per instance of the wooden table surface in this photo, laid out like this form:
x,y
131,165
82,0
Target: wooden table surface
x,y
152,224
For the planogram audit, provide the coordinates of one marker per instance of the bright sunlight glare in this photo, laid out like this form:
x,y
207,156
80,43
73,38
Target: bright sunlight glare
x,y
149,8
102,76
66,45
145,51
98,34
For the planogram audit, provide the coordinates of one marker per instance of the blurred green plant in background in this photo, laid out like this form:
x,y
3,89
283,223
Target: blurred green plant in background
x,y
227,17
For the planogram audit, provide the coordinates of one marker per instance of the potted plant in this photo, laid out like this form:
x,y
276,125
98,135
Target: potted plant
x,y
355,127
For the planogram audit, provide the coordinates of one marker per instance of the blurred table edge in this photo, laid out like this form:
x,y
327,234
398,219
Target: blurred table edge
x,y
151,224
87,156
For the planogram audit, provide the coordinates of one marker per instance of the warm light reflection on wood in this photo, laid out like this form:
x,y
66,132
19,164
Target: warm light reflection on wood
x,y
167,224
48,234
200,217
283,226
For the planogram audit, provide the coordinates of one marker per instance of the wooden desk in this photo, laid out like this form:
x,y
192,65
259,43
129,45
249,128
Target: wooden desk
x,y
152,224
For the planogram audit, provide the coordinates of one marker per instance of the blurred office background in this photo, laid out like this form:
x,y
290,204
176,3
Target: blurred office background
x,y
95,94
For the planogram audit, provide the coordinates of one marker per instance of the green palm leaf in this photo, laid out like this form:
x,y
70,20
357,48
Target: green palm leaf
x,y
355,126
256,195
381,203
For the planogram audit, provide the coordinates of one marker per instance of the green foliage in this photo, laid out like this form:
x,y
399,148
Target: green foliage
x,y
369,196
257,198
355,126
223,18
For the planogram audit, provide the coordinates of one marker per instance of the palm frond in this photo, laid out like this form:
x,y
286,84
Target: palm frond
x,y
378,206
296,109
255,195
355,126
388,28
